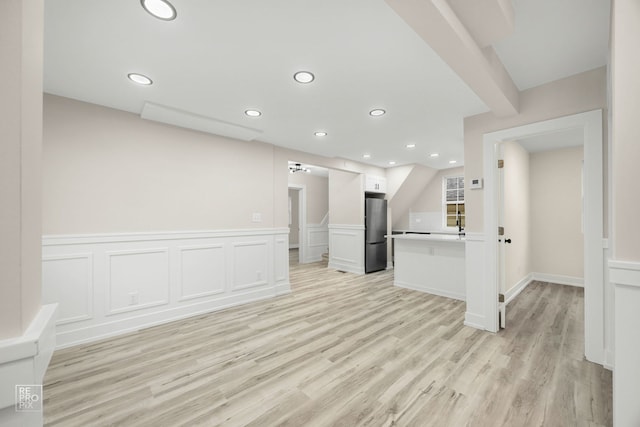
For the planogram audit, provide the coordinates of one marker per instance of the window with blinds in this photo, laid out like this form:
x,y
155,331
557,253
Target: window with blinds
x,y
453,201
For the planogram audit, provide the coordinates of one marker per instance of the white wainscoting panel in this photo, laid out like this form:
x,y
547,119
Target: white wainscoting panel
x,y
317,242
109,284
73,273
625,276
474,275
281,263
137,279
202,271
346,248
250,264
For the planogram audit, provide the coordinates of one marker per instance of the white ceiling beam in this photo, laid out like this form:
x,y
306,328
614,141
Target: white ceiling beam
x,y
436,23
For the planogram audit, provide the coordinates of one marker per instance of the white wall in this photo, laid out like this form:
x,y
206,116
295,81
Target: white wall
x,y
427,207
575,94
109,171
145,223
346,198
20,163
346,221
516,214
317,195
557,240
412,185
27,328
625,267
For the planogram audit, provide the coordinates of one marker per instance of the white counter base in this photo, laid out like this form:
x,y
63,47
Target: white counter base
x,y
431,264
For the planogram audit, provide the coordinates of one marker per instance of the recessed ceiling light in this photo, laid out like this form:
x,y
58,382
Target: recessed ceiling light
x,y
320,134
140,79
253,113
453,162
410,146
366,156
304,77
376,112
161,9
392,162
434,155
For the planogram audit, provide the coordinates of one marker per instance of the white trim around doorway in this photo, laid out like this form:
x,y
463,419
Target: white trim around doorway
x,y
594,278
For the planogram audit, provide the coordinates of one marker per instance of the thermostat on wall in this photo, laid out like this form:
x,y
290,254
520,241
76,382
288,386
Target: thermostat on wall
x,y
475,183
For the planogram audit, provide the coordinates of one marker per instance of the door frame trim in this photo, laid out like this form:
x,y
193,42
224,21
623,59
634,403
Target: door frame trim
x,y
593,203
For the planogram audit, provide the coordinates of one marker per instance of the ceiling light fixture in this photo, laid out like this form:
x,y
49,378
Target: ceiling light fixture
x,y
392,163
304,77
366,156
453,162
297,167
410,146
161,9
140,79
253,113
377,112
434,155
320,134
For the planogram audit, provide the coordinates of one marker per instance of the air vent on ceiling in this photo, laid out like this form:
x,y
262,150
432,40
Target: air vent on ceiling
x,y
185,119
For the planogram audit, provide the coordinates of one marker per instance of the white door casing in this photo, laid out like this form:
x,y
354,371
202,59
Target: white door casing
x,y
591,123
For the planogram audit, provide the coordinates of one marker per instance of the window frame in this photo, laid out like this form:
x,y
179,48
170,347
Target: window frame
x,y
445,203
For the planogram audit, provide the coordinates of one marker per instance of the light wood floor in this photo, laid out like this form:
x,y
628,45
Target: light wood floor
x,y
340,350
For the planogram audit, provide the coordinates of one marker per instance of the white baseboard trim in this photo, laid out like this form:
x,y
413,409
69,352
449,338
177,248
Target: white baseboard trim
x,y
24,361
345,267
429,290
517,288
608,360
559,279
108,285
283,289
474,320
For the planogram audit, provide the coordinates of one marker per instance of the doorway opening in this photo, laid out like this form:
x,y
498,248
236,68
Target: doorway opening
x,y
590,124
540,197
297,222
308,212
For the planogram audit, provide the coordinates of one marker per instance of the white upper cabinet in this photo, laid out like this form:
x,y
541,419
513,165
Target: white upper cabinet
x,y
375,184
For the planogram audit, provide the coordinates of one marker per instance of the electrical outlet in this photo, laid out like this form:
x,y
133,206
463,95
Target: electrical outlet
x,y
258,275
133,298
257,217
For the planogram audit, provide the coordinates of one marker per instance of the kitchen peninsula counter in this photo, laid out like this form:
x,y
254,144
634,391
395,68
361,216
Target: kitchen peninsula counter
x,y
432,263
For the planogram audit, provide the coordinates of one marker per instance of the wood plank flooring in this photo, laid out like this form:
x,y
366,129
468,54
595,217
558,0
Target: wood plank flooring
x,y
340,350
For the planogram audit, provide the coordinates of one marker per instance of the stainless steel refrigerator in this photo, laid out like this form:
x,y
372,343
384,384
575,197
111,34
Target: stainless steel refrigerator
x,y
375,245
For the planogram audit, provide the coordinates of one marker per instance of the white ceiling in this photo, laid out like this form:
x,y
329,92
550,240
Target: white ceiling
x,y
555,39
219,58
553,141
